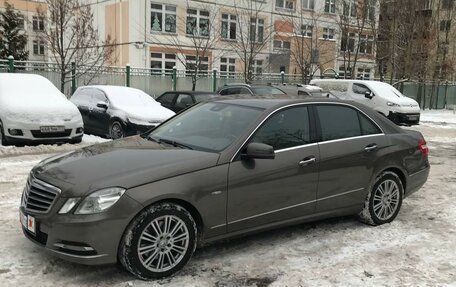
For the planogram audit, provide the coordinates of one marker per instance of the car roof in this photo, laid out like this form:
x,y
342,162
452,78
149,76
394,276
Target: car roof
x,y
192,92
108,89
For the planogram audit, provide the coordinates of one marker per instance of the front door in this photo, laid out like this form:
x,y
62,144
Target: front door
x,y
264,191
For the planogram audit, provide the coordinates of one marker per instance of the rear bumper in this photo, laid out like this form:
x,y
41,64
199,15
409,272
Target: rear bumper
x,y
416,180
404,118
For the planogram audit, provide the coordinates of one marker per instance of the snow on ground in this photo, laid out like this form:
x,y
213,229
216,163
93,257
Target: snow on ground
x,y
417,249
8,151
438,117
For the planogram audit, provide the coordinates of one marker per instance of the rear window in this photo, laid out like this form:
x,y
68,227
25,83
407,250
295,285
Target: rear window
x,y
338,122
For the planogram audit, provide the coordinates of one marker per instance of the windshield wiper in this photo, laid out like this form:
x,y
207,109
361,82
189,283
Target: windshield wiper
x,y
171,142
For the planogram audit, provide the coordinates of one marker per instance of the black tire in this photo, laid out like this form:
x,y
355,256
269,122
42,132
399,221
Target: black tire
x,y
116,130
130,244
375,202
4,141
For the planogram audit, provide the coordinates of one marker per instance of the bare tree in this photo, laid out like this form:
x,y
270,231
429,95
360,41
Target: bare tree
x,y
70,36
310,50
196,48
252,36
355,20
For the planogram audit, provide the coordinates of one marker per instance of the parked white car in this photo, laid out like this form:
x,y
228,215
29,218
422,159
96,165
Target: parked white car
x,y
379,96
33,110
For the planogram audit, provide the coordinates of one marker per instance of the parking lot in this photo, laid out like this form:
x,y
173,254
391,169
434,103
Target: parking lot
x,y
417,249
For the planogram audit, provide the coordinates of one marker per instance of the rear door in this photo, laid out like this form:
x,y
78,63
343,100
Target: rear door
x,y
350,144
264,191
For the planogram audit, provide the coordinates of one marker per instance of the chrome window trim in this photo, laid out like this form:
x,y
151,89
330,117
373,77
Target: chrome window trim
x,y
292,206
318,142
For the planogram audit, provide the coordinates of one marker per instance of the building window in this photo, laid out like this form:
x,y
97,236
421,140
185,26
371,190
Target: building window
x,y
445,25
447,4
163,18
363,74
38,23
21,21
350,8
308,4
197,23
426,5
344,73
285,4
328,33
38,47
227,66
191,63
369,10
306,30
330,6
229,26
347,43
258,67
160,62
279,44
256,30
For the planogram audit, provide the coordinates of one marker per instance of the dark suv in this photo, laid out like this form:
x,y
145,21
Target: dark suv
x,y
178,101
246,89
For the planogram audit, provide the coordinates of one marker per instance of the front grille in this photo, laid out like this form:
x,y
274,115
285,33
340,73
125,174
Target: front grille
x,y
39,196
38,134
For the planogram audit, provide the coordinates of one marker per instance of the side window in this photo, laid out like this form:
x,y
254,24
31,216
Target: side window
x,y
367,126
244,91
98,96
166,99
183,101
81,97
338,122
286,128
224,92
360,89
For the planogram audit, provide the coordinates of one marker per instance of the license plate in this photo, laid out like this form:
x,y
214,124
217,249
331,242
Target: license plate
x,y
28,222
52,129
412,118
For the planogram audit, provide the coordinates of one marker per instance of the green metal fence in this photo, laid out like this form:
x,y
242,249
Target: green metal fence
x,y
155,82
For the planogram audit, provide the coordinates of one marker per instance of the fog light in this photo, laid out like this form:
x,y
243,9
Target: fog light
x,y
79,130
15,132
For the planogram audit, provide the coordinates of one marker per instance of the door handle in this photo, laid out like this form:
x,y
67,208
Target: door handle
x,y
307,161
370,147
90,109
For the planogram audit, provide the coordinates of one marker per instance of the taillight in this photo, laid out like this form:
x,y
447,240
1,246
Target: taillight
x,y
423,147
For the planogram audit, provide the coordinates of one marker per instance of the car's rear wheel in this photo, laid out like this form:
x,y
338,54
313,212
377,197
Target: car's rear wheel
x,y
116,131
159,242
384,200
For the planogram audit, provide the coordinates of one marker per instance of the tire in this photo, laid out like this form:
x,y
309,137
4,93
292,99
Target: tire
x,y
116,130
384,200
3,139
143,236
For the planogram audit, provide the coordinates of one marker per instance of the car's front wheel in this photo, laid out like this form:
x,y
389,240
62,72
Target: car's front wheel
x,y
384,199
116,130
159,242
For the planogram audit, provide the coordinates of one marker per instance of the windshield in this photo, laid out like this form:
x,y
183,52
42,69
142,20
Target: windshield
x,y
209,127
267,91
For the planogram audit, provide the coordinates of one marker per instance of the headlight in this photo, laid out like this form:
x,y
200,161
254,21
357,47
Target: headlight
x,y
100,200
390,104
69,204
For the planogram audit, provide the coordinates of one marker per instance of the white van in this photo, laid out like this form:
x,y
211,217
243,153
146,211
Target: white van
x,y
33,110
379,96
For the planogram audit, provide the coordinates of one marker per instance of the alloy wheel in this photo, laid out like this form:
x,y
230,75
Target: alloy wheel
x,y
386,199
116,131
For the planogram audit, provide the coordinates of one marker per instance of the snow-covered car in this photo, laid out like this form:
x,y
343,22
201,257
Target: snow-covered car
x,y
379,96
33,110
314,91
116,112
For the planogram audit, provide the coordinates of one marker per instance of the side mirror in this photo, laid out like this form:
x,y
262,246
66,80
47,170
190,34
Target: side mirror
x,y
102,105
369,95
259,150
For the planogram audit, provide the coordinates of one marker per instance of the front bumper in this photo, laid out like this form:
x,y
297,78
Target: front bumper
x,y
85,239
404,118
136,129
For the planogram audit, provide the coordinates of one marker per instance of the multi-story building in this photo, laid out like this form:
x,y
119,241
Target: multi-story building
x,y
32,25
294,36
418,42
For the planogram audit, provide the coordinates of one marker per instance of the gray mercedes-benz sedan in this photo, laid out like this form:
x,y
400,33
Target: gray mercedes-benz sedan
x,y
220,169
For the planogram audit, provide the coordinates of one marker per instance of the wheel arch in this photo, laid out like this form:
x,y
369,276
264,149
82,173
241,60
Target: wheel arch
x,y
400,173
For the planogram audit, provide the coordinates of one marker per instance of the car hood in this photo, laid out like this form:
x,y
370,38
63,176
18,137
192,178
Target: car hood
x,y
148,113
124,163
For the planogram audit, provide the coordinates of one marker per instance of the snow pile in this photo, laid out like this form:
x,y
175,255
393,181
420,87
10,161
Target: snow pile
x,y
33,98
438,117
9,151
